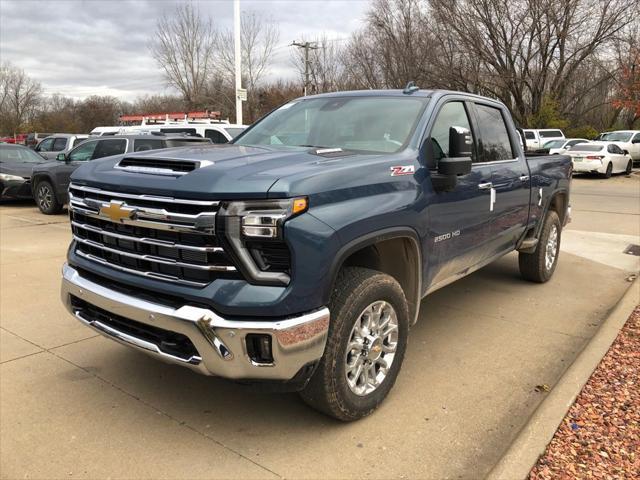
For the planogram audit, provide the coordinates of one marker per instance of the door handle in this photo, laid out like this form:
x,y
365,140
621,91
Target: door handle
x,y
524,178
485,186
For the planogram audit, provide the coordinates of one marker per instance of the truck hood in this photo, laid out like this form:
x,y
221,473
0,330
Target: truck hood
x,y
229,171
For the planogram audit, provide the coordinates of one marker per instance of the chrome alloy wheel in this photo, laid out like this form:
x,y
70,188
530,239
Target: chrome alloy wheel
x,y
552,248
371,348
45,197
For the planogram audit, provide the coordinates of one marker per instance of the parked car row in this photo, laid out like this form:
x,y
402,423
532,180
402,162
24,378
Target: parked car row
x,y
611,152
27,174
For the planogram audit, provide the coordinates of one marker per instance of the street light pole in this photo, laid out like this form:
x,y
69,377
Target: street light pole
x,y
238,60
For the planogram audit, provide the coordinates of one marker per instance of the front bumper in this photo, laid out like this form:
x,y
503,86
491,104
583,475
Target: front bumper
x,y
220,344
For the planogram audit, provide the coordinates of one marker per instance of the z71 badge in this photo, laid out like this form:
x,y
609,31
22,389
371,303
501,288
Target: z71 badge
x,y
402,170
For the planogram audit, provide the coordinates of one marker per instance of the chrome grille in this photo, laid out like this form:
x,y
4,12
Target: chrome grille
x,y
158,237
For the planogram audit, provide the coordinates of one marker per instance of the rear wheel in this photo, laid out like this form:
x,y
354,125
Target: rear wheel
x,y
629,168
540,265
609,170
46,198
366,345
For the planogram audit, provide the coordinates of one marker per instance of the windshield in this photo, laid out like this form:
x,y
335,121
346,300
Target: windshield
x,y
11,154
370,124
554,144
618,137
583,147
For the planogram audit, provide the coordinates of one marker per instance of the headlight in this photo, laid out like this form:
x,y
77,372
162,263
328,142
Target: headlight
x,y
264,218
255,229
10,178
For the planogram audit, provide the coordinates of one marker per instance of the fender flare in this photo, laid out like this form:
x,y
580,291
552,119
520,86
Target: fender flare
x,y
38,177
377,236
530,247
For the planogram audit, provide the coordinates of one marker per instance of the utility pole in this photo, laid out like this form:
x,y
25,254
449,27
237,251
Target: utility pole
x,y
241,94
307,63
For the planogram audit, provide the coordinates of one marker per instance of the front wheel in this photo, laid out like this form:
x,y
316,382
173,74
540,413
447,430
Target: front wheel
x,y
629,168
540,265
46,198
365,348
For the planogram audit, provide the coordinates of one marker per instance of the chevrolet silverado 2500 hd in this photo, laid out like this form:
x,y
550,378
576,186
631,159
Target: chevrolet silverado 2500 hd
x,y
298,254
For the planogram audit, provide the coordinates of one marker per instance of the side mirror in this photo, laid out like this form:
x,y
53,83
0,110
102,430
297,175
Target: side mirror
x,y
626,152
457,163
636,140
61,157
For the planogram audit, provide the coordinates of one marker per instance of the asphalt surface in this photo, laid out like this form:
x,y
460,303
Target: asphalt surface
x,y
76,405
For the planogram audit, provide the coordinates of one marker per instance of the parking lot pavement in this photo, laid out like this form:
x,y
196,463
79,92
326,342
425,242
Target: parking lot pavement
x,y
76,405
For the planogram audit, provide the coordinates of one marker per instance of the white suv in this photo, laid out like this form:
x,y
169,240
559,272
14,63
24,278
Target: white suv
x,y
628,140
537,138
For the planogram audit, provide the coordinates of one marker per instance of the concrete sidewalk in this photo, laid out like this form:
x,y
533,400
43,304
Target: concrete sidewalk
x,y
74,405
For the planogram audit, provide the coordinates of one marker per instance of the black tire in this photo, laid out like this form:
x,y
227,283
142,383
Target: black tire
x,y
46,198
629,168
328,391
533,266
609,170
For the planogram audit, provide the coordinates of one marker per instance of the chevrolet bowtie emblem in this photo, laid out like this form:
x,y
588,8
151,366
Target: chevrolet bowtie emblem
x,y
117,211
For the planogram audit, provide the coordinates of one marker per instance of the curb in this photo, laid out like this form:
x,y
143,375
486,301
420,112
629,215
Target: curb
x,y
532,440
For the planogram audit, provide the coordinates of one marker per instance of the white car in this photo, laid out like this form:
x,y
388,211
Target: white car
x,y
558,147
628,140
537,138
604,158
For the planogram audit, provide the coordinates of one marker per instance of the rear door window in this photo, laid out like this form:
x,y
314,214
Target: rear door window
x,y
143,144
495,144
550,134
615,149
106,148
529,135
59,144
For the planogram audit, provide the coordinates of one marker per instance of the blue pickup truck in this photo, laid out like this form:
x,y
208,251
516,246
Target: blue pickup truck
x,y
297,256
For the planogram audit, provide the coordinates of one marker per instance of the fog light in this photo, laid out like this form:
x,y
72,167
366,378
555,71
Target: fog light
x,y
259,348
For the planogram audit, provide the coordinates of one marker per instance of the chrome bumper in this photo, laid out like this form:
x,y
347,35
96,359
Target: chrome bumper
x,y
220,343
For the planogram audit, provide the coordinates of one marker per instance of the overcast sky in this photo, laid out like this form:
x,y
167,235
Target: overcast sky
x,y
100,47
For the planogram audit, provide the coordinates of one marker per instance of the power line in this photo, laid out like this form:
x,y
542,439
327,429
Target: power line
x,y
307,63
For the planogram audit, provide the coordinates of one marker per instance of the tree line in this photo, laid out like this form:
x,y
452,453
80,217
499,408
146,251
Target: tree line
x,y
572,64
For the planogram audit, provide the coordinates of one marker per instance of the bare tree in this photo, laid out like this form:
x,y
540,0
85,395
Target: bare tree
x,y
184,46
19,97
531,49
258,38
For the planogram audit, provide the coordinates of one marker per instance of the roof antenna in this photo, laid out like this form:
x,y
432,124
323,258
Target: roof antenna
x,y
410,88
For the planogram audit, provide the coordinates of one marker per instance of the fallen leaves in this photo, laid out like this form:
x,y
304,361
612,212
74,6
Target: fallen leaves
x,y
600,436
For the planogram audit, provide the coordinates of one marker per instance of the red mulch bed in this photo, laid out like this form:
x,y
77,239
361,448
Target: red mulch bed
x,y
600,436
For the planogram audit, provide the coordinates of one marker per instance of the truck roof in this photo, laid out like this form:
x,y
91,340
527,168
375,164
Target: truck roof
x,y
399,93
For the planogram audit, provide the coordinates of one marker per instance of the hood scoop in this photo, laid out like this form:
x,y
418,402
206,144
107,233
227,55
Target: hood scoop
x,y
160,166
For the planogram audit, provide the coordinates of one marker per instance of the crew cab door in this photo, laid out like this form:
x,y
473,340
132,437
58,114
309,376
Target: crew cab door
x,y
510,179
460,220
